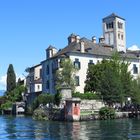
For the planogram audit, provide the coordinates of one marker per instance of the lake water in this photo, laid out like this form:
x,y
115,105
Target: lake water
x,y
24,128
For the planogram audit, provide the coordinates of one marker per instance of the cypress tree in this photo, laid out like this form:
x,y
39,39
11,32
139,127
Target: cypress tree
x,y
11,78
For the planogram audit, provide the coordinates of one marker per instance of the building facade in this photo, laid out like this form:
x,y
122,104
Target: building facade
x,y
84,52
34,79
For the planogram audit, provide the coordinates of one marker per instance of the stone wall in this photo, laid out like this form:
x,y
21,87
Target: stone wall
x,y
91,105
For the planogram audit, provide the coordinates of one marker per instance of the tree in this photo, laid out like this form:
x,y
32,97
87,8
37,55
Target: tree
x,y
111,79
11,78
65,76
135,94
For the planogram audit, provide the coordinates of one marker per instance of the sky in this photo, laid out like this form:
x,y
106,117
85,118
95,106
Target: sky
x,y
28,27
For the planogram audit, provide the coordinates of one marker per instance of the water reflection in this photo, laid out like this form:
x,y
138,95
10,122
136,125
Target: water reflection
x,y
24,128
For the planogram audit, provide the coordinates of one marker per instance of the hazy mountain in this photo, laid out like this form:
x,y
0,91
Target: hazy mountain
x,y
2,92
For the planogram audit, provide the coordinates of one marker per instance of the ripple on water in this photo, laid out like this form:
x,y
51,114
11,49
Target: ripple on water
x,y
24,128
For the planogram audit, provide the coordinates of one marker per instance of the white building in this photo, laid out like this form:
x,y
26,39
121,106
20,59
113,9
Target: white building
x,y
83,52
34,79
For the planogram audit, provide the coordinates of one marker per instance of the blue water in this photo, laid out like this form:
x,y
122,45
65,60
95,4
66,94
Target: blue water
x,y
24,128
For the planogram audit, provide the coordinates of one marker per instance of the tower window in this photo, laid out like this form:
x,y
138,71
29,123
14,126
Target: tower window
x,y
118,36
109,25
120,25
121,37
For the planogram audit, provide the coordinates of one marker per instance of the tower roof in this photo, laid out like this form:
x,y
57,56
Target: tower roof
x,y
50,47
113,15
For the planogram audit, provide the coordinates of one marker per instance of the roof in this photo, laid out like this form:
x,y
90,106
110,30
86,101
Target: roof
x,y
100,49
113,15
50,47
90,48
32,68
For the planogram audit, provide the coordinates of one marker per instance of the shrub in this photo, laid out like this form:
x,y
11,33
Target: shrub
x,y
57,99
40,114
87,95
107,113
43,99
6,105
46,99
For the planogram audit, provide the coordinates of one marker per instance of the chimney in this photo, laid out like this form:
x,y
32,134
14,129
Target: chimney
x,y
82,46
94,39
101,39
71,38
77,39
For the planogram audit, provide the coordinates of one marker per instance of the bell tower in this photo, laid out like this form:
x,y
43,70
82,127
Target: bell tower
x,y
114,32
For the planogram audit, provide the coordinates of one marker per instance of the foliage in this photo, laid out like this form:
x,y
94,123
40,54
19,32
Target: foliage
x,y
11,78
57,99
87,95
135,96
6,105
16,94
107,113
14,91
111,79
40,114
43,99
65,75
13,96
19,82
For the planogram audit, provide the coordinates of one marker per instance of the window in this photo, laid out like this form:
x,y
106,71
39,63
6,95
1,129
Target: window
x,y
47,84
40,73
31,79
135,69
120,25
61,61
77,81
118,36
47,70
77,64
53,67
121,37
90,62
38,87
109,25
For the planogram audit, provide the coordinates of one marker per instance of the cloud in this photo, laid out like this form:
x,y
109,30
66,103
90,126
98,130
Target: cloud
x,y
134,48
3,82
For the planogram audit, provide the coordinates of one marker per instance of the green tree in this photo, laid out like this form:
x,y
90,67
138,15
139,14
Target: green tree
x,y
109,86
135,94
19,82
111,79
11,78
16,94
93,78
65,76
